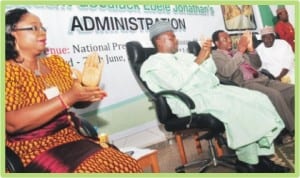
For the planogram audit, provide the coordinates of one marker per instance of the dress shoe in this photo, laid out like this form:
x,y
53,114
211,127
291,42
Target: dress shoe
x,y
284,137
266,165
243,167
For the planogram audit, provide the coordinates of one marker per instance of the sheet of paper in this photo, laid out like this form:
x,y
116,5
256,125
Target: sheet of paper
x,y
136,152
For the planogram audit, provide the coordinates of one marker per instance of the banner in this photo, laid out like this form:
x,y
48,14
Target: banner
x,y
74,31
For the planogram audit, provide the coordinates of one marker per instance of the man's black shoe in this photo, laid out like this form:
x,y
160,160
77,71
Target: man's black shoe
x,y
243,167
265,165
269,166
284,137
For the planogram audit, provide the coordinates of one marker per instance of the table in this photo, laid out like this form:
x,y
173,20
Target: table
x,y
151,160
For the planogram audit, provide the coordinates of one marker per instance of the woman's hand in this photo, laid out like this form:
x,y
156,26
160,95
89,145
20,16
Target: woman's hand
x,y
79,93
92,70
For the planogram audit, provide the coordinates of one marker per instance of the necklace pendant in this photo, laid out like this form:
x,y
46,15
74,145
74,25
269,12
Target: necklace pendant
x,y
37,73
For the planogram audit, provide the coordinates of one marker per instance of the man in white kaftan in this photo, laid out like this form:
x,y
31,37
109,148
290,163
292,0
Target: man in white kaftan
x,y
277,56
251,121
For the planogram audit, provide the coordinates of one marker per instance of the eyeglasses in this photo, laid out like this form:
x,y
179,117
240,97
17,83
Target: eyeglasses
x,y
32,28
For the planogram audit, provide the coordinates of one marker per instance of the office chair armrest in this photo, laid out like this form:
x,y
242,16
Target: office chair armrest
x,y
182,96
83,104
267,73
12,161
228,82
84,127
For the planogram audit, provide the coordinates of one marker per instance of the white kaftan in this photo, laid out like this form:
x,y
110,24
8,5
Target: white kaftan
x,y
277,57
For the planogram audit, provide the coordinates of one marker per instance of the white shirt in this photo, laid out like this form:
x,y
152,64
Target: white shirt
x,y
277,57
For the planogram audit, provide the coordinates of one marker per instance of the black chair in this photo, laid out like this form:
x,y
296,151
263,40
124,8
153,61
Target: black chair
x,y
193,47
13,162
267,73
201,122
255,41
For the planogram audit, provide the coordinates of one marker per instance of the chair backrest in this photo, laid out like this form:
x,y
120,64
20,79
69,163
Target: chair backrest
x,y
255,41
137,55
194,47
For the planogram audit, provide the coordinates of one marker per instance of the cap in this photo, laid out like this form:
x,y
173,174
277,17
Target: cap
x,y
267,30
280,9
159,27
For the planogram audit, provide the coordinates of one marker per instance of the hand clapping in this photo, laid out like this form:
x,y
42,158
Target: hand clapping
x,y
85,88
248,35
205,50
92,70
245,42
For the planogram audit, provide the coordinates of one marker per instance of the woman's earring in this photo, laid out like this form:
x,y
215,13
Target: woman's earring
x,y
20,60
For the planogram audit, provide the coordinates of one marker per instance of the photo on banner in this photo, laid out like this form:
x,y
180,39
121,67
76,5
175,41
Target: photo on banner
x,y
238,17
77,28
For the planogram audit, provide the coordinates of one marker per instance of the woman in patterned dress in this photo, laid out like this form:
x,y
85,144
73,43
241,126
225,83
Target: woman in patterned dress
x,y
39,91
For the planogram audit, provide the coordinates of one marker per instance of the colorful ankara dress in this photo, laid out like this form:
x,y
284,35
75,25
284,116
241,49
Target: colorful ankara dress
x,y
55,146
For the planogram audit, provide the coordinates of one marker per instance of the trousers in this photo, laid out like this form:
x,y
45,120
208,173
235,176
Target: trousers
x,y
281,95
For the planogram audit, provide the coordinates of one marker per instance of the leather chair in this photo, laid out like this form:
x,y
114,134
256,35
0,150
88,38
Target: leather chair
x,y
201,122
255,41
13,162
194,47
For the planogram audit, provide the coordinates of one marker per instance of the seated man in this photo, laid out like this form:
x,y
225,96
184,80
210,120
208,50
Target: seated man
x,y
276,56
240,65
169,69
